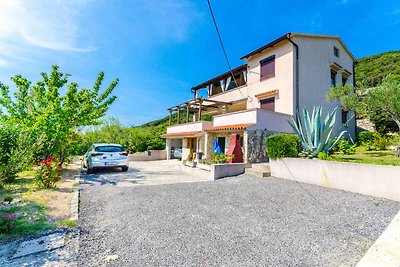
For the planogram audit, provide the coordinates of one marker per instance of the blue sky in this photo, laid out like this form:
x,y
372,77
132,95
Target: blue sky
x,y
159,49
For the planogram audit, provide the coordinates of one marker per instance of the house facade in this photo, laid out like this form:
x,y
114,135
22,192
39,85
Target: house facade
x,y
258,98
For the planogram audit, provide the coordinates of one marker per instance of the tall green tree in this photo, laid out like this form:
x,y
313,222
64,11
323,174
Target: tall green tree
x,y
50,116
368,102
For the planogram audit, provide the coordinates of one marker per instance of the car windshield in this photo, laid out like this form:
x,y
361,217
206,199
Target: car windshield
x,y
109,149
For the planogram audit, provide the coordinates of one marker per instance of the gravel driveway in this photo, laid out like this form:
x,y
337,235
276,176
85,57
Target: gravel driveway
x,y
240,221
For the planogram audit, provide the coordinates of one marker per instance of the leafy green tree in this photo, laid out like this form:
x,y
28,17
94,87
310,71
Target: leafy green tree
x,y
50,116
383,99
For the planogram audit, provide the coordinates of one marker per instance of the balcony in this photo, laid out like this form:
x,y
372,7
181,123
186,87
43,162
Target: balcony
x,y
191,129
253,119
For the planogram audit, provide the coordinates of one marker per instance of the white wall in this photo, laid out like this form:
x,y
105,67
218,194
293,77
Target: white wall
x,y
272,121
315,57
190,127
155,155
374,180
283,79
239,117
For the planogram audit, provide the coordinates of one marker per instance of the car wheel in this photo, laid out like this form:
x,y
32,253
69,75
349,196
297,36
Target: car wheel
x,y
124,168
89,171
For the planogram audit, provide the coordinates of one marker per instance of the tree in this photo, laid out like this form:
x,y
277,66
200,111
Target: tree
x,y
368,102
52,118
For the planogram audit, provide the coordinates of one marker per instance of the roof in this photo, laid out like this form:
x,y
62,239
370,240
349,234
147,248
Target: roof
x,y
230,127
181,134
270,44
287,37
221,76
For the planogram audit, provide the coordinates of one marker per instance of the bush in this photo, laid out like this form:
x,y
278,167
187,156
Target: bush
x,y
374,141
323,156
48,173
283,145
8,145
7,222
345,147
364,137
220,158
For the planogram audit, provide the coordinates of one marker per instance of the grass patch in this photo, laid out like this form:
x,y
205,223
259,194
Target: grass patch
x,y
383,157
30,210
67,223
30,220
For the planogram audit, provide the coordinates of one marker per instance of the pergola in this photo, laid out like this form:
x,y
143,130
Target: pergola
x,y
196,105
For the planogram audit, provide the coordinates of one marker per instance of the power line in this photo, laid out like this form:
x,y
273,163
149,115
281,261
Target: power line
x,y
221,42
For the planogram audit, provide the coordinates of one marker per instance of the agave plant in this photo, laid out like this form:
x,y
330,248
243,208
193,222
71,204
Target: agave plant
x,y
314,133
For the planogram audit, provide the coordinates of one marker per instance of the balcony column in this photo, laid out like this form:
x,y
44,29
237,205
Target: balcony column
x,y
179,114
170,116
200,110
187,113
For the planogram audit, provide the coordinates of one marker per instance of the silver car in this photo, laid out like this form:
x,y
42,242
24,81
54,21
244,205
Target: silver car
x,y
178,153
105,156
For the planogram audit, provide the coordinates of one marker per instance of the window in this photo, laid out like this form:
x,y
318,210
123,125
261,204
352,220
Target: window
x,y
344,80
336,51
344,116
267,67
221,143
268,104
333,78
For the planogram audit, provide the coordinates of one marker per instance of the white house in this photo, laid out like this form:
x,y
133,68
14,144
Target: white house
x,y
258,98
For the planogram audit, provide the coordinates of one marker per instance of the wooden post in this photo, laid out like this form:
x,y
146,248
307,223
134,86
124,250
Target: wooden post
x,y
200,110
187,113
179,114
170,116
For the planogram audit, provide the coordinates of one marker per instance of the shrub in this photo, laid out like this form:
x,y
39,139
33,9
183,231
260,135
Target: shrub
x,y
323,156
221,158
364,137
7,222
8,145
283,145
48,173
375,141
345,147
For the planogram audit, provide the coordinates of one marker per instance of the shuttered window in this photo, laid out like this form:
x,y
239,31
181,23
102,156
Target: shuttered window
x,y
268,104
267,67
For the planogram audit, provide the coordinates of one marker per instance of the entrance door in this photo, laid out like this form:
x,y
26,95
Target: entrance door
x,y
221,143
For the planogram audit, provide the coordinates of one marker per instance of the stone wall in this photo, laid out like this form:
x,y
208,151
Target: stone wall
x,y
254,143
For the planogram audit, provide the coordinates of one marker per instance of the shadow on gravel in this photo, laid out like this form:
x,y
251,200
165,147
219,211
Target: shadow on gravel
x,y
110,177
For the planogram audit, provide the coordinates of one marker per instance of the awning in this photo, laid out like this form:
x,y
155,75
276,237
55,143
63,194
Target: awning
x,y
232,127
182,134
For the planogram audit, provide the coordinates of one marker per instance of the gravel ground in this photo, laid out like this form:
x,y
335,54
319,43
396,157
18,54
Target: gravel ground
x,y
241,221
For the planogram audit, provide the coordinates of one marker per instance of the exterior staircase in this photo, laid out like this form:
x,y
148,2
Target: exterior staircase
x,y
259,170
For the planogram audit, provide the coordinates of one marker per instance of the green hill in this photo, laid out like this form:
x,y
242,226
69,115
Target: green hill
x,y
372,69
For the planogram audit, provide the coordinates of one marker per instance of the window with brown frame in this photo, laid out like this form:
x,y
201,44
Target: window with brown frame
x,y
268,104
267,67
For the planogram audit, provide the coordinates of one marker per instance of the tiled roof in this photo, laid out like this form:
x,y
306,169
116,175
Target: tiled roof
x,y
181,134
230,127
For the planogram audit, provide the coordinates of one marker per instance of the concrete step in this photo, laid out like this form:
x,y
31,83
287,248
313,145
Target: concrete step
x,y
261,167
258,172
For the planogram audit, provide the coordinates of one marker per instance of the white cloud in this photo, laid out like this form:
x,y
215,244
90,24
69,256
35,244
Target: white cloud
x,y
28,26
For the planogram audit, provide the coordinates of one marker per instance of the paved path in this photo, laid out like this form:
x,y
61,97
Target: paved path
x,y
240,221
148,173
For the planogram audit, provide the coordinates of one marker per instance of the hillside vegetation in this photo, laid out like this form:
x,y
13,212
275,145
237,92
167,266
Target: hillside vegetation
x,y
372,69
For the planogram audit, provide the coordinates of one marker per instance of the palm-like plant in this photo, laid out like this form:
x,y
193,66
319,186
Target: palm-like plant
x,y
314,132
